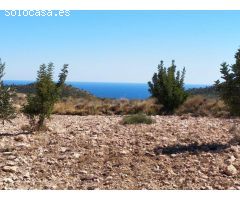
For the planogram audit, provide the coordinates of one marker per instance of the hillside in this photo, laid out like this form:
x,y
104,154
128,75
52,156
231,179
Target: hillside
x,y
68,91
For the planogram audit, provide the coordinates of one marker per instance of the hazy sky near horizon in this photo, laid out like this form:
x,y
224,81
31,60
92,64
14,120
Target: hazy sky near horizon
x,y
120,46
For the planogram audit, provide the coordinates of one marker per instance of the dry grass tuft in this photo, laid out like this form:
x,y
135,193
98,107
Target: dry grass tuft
x,y
106,107
201,106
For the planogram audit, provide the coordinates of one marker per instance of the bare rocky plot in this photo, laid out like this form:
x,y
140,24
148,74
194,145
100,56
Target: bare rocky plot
x,y
97,152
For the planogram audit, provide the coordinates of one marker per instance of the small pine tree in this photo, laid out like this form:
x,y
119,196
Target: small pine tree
x,y
167,87
40,105
229,89
7,111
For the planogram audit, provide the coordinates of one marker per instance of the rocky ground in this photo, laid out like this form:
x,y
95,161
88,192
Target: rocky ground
x,y
97,152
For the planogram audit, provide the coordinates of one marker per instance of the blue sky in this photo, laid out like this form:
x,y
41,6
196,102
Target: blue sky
x,y
120,46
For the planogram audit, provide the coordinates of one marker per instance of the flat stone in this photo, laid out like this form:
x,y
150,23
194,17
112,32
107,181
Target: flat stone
x,y
19,138
8,180
11,157
83,172
11,169
7,153
50,129
90,177
26,175
76,155
10,163
64,149
124,152
22,145
232,159
50,162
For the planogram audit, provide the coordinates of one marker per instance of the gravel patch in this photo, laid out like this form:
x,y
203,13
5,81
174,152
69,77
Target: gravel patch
x,y
97,152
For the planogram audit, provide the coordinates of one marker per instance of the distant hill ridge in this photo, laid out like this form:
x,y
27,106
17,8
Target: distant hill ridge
x,y
68,91
209,91
71,91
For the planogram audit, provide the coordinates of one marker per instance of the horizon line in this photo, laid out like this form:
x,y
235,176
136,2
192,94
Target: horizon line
x,y
207,84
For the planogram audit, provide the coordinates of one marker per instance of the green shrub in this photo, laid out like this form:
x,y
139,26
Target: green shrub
x,y
40,104
7,111
229,89
137,119
167,87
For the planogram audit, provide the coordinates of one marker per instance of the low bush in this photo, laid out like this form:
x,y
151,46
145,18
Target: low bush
x,y
7,110
167,86
229,88
40,105
137,119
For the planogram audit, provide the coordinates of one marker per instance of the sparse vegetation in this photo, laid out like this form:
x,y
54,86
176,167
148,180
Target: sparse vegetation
x,y
7,110
229,89
95,106
167,87
40,105
201,106
196,105
137,119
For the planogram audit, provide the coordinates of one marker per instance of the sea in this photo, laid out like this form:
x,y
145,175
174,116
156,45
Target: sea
x,y
111,90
